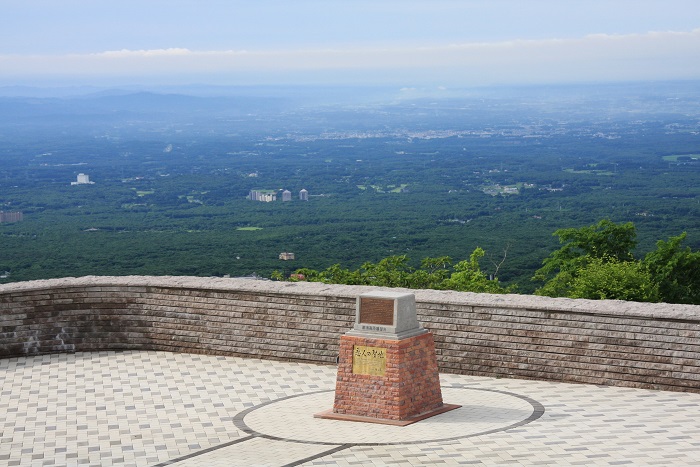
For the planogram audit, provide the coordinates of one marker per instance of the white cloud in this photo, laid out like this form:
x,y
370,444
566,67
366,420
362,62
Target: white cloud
x,y
655,55
144,53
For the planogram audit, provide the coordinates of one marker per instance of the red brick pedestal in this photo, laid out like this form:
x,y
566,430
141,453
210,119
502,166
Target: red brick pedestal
x,y
407,392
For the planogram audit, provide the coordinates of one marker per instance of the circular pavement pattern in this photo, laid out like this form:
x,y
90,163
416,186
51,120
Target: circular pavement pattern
x,y
483,411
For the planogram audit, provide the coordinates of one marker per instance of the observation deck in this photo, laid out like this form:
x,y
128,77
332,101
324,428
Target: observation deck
x,y
159,371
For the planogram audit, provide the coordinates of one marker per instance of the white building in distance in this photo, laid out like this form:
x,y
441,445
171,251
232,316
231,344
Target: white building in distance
x,y
304,195
83,179
286,195
266,196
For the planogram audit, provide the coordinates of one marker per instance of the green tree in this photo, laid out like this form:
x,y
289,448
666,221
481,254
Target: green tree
x,y
604,242
468,277
395,271
675,270
432,273
596,262
336,275
604,278
392,271
276,275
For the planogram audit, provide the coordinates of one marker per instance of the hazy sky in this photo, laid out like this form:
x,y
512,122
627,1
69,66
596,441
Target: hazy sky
x,y
447,43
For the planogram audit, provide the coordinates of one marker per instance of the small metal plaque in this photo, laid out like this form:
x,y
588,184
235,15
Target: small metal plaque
x,y
377,311
368,360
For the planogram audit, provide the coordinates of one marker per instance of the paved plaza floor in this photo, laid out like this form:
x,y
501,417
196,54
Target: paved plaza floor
x,y
141,408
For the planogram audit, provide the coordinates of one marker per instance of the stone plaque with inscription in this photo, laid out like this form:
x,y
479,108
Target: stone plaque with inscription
x,y
376,311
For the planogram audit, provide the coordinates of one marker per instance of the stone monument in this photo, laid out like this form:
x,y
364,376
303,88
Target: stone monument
x,y
387,368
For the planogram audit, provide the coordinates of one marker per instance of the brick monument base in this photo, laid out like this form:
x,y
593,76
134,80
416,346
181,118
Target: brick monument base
x,y
394,382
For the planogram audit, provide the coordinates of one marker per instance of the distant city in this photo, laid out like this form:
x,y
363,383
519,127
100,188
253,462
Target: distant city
x,y
268,196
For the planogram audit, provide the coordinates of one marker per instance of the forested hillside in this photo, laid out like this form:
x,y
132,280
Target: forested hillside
x,y
390,176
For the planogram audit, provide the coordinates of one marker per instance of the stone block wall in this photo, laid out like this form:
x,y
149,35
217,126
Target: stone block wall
x,y
113,313
599,342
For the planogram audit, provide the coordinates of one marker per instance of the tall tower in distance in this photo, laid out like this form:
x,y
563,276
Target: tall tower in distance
x,y
286,195
304,195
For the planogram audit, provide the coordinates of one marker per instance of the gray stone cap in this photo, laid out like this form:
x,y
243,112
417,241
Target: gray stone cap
x,y
506,301
404,319
387,293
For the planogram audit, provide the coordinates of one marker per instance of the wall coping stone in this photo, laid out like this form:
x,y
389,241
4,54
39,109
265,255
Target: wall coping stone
x,y
507,301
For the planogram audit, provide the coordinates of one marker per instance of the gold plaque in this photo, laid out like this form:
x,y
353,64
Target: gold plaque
x,y
368,360
377,311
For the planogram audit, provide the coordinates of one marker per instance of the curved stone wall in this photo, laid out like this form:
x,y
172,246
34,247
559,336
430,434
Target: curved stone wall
x,y
599,342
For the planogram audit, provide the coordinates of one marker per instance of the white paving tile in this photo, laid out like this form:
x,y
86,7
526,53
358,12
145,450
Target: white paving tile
x,y
157,408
